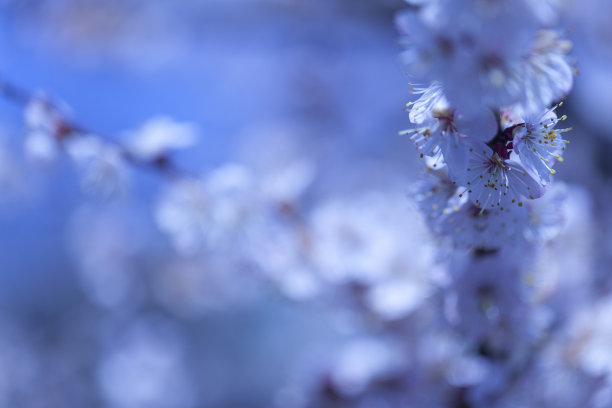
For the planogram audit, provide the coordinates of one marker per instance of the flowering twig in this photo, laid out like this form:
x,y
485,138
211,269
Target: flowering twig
x,y
64,128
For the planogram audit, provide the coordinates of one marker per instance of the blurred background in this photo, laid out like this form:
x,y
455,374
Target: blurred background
x,y
111,301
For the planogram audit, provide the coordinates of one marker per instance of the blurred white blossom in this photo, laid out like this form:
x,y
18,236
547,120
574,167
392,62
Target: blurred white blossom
x,y
160,135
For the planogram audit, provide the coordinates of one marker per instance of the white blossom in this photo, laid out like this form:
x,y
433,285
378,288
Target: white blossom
x,y
160,135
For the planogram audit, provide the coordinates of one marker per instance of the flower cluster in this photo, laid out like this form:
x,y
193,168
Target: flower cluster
x,y
485,121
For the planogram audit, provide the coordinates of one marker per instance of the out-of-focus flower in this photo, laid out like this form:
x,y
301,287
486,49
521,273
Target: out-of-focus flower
x,y
358,240
103,164
160,135
472,227
45,129
497,51
40,147
573,249
211,212
351,240
106,242
362,361
183,212
490,302
546,74
547,215
287,183
146,367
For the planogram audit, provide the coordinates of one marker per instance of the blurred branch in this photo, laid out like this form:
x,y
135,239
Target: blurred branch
x,y
13,93
66,128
